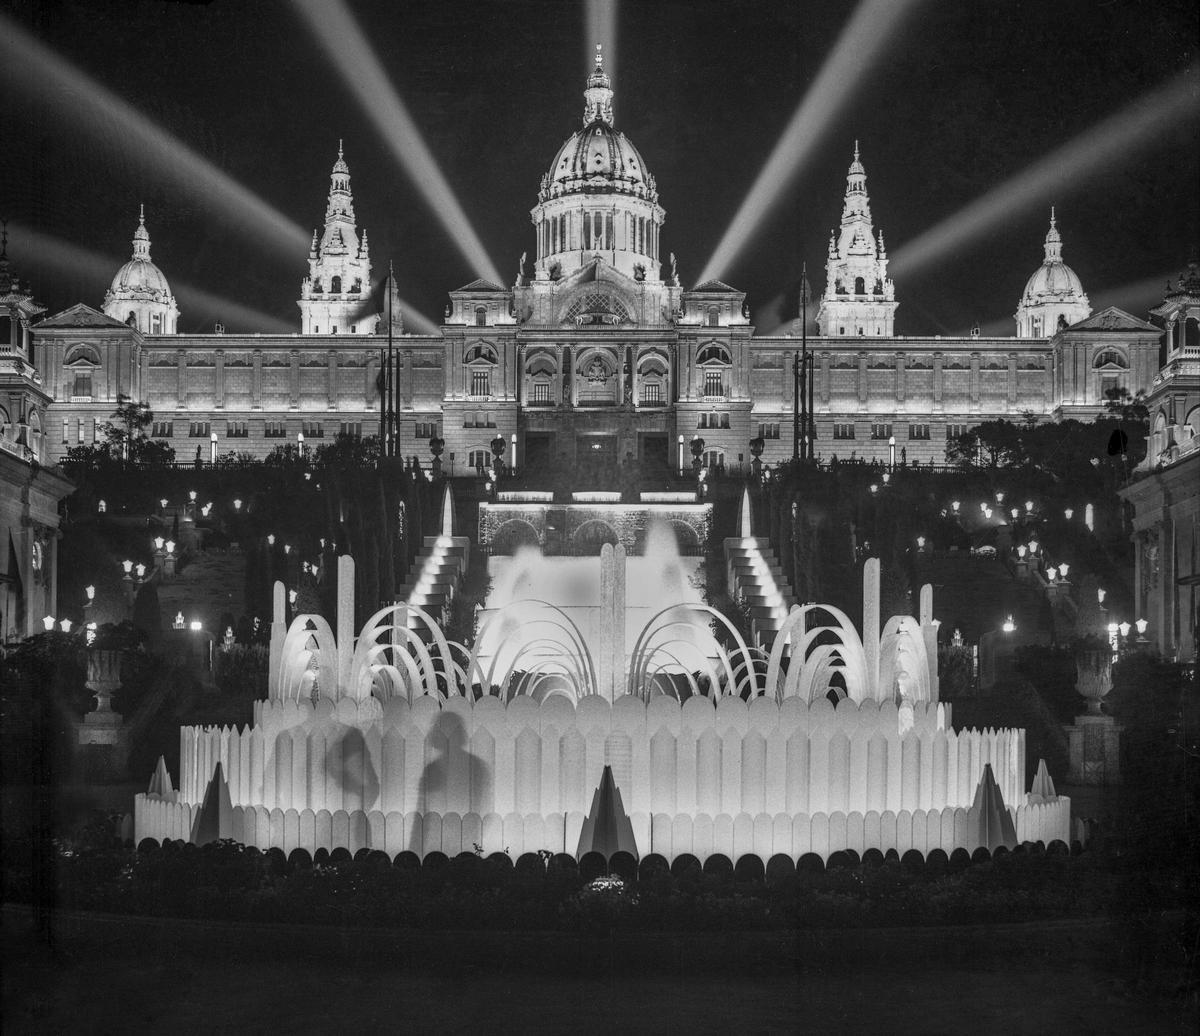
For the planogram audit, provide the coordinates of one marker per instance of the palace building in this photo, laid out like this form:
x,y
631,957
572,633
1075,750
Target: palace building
x,y
595,350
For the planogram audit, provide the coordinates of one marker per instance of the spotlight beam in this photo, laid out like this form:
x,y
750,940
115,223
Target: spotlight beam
x,y
874,25
336,31
80,100
1138,125
1134,297
97,268
601,18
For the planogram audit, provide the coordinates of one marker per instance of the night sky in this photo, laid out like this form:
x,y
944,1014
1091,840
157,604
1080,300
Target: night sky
x,y
965,96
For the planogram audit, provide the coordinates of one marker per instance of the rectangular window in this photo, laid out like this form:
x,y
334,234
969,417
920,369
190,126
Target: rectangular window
x,y
587,231
881,431
79,431
313,430
541,392
199,429
481,383
953,431
351,428
81,386
237,430
162,429
918,431
714,384
66,430
609,239
769,431
274,430
425,430
843,431
651,392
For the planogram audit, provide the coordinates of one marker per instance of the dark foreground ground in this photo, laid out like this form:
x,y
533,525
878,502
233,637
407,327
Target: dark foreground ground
x,y
110,975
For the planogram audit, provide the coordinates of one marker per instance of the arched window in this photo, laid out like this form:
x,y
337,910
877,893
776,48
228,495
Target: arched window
x,y
1110,358
335,286
713,353
480,352
860,286
481,316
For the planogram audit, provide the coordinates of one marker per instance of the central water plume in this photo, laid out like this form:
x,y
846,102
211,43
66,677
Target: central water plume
x,y
537,604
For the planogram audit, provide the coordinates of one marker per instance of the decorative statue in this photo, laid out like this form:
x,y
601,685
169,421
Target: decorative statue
x,y
674,269
521,269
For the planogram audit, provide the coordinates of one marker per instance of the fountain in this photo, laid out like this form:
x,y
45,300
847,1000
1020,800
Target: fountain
x,y
812,738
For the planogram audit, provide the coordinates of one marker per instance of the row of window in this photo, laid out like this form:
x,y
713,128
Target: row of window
x,y
713,420
596,230
886,431
479,419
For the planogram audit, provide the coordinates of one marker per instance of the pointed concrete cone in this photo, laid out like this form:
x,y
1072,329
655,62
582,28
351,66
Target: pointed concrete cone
x,y
160,783
1043,785
995,826
448,512
746,524
607,829
215,819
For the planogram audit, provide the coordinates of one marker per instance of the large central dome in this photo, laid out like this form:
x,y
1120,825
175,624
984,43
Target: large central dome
x,y
598,198
598,158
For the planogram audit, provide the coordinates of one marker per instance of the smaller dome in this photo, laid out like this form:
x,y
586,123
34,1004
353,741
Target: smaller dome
x,y
1054,280
140,275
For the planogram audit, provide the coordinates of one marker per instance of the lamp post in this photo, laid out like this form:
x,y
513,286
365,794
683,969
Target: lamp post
x,y
891,452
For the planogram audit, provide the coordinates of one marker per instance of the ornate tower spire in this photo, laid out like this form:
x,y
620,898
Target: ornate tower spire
x,y
860,298
141,236
1053,244
335,291
598,95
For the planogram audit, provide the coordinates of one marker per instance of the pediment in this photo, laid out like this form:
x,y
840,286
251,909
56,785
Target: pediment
x,y
80,315
477,286
1113,319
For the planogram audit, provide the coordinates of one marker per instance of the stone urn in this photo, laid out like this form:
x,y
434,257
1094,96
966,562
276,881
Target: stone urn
x,y
1093,676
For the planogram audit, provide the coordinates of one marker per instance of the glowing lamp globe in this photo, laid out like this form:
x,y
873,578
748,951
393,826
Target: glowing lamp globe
x,y
127,565
195,624
1141,627
141,571
1064,568
159,542
1125,628
170,546
192,495
1009,626
1068,514
954,505
1100,594
48,622
237,505
1051,573
1021,550
65,625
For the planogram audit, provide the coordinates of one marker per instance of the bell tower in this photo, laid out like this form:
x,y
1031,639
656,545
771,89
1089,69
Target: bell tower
x,y
860,298
335,294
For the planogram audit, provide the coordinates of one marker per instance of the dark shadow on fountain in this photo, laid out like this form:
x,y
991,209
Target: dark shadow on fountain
x,y
452,756
354,771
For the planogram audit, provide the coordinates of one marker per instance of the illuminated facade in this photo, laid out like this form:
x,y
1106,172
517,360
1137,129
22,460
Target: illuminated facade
x,y
29,491
596,350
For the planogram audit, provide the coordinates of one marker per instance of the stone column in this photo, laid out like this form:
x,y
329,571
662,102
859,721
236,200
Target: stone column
x,y
937,382
862,380
294,381
331,383
180,379
256,382
974,387
1012,380
219,380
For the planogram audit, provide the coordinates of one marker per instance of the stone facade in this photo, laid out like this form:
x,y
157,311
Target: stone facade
x,y
597,350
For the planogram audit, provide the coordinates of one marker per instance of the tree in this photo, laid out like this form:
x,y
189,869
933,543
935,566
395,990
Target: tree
x,y
994,443
125,435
